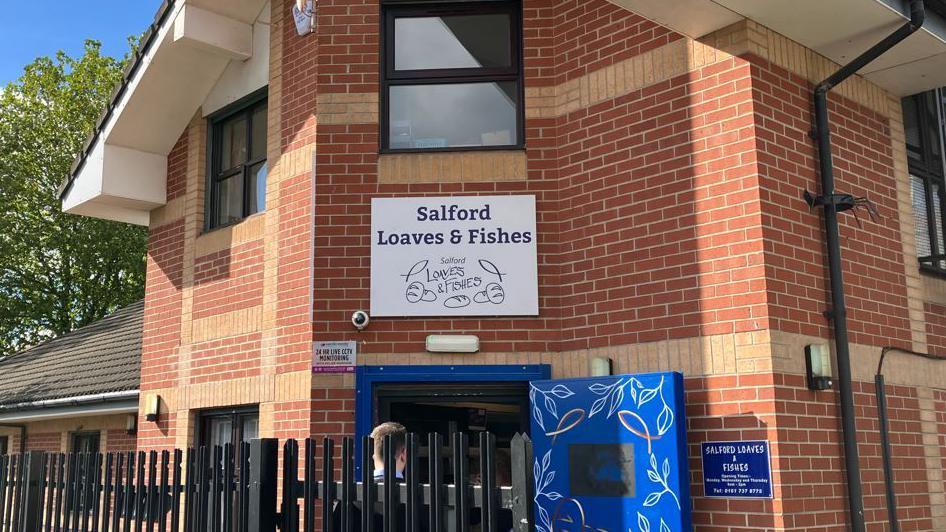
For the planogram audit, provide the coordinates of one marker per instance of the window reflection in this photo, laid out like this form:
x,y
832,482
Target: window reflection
x,y
469,41
455,115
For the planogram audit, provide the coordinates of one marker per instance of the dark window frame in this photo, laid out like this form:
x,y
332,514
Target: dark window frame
x,y
74,438
931,169
392,9
236,415
244,106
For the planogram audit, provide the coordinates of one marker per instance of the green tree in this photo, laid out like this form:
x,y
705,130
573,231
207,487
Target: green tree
x,y
58,271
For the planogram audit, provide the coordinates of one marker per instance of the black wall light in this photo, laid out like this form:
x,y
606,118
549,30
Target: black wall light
x,y
818,367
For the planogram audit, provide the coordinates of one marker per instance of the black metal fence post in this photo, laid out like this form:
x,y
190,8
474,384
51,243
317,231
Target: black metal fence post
x,y
30,517
262,488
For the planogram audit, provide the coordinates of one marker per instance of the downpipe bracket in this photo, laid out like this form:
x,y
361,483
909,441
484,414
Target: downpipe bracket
x,y
841,202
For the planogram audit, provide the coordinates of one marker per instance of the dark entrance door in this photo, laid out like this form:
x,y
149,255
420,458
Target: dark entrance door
x,y
499,408
85,446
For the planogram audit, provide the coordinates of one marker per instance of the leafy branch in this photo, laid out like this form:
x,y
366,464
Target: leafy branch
x,y
543,478
662,478
558,391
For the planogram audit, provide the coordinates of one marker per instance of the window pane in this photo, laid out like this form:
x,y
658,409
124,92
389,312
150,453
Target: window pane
x,y
932,125
464,41
920,217
229,200
938,220
233,143
250,427
221,431
257,187
259,133
911,124
457,115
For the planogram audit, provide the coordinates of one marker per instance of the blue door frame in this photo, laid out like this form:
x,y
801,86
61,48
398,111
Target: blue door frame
x,y
368,377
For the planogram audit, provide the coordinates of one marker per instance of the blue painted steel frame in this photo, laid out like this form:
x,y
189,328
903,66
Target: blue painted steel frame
x,y
367,377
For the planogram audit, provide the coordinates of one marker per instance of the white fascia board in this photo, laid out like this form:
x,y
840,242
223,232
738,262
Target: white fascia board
x,y
213,32
100,409
87,184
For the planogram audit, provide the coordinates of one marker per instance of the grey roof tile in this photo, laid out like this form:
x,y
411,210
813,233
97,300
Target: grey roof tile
x,y
102,357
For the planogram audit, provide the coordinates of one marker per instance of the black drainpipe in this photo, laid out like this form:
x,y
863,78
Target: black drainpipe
x,y
881,393
22,434
830,201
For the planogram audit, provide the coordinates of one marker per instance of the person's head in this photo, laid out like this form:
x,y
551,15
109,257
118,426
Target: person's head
x,y
398,435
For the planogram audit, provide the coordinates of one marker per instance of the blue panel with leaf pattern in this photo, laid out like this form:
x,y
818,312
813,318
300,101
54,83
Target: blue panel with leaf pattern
x,y
610,454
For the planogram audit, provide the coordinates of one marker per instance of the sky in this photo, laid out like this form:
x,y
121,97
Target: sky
x,y
29,29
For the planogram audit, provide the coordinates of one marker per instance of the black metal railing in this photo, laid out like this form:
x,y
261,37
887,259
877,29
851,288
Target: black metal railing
x,y
244,489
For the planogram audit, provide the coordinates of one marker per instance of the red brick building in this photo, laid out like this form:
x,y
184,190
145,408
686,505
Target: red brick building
x,y
667,146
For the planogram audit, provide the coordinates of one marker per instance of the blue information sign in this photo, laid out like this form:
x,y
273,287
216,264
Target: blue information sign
x,y
737,469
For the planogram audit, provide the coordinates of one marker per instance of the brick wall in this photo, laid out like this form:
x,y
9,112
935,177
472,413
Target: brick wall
x,y
874,275
668,177
610,161
177,168
228,280
119,441
50,442
590,35
660,229
936,328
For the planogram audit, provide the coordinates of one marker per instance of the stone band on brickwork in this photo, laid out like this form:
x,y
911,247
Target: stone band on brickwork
x,y
643,70
347,108
452,167
749,37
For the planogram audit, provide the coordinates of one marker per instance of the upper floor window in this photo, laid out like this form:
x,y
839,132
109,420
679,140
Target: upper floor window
x,y
451,76
923,123
237,184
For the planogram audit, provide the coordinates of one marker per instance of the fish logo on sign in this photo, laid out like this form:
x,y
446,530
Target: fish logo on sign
x,y
427,285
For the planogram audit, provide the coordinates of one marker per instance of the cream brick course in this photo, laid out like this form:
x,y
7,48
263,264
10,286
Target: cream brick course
x,y
237,322
247,230
651,67
172,211
452,167
347,108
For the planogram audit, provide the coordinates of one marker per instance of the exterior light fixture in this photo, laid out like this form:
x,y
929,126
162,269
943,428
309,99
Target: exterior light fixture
x,y
131,424
600,367
152,407
453,343
818,367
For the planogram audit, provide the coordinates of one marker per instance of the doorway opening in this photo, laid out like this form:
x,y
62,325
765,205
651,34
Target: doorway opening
x,y
447,400
501,409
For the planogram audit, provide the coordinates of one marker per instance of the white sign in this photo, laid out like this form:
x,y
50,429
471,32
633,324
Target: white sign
x,y
334,357
454,256
303,12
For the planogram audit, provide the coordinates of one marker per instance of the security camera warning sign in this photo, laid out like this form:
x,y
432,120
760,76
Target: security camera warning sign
x,y
454,256
334,357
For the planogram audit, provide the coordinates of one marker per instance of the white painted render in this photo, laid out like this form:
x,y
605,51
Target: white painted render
x,y
243,77
125,175
209,31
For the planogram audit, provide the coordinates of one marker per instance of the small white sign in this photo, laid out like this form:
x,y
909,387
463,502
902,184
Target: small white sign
x,y
454,256
334,357
303,12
